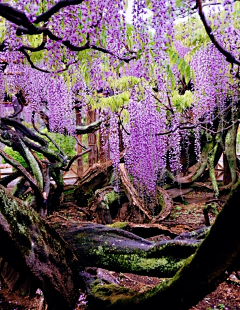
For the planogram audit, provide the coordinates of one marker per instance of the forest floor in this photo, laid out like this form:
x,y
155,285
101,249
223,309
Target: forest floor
x,y
187,215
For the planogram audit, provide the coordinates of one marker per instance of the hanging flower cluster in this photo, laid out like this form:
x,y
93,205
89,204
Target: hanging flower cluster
x,y
211,82
45,93
114,147
145,151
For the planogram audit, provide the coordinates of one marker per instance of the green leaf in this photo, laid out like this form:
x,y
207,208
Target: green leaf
x,y
174,58
187,74
182,69
193,76
172,80
138,54
179,63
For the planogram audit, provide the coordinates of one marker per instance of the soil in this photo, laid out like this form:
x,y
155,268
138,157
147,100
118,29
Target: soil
x,y
187,215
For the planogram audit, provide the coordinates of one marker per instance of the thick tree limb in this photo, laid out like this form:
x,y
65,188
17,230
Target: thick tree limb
x,y
54,9
24,130
115,249
202,272
26,174
8,179
81,130
36,251
15,16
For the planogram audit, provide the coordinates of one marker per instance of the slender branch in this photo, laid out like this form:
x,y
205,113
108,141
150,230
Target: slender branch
x,y
195,126
169,109
121,123
76,157
31,62
40,69
81,144
46,135
229,57
223,129
35,49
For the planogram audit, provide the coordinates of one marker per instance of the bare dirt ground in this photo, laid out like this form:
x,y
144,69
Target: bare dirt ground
x,y
187,215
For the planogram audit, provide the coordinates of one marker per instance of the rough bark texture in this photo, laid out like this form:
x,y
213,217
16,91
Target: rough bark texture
x,y
115,249
92,139
36,252
201,273
230,151
131,192
97,176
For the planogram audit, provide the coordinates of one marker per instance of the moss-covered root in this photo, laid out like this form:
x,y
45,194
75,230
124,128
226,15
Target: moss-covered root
x,y
202,272
35,251
102,294
115,249
230,151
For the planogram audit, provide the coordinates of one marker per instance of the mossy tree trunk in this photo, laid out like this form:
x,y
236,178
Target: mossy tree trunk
x,y
201,273
37,250
37,254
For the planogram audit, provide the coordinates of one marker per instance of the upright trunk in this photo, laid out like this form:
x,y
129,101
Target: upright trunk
x,y
92,140
79,148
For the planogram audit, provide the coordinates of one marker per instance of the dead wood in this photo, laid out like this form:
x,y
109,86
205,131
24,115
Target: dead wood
x,y
131,192
97,176
166,203
100,206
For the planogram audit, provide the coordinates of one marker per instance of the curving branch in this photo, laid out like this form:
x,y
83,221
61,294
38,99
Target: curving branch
x,y
76,157
15,16
26,174
9,178
19,127
54,9
26,27
81,130
229,57
46,135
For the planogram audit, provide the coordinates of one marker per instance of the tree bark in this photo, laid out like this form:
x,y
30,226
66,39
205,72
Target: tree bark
x,y
115,249
36,252
201,273
92,139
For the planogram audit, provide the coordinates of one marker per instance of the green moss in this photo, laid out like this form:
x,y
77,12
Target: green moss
x,y
230,151
110,293
110,197
120,225
211,159
161,201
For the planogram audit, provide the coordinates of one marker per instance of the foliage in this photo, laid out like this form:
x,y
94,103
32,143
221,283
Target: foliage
x,y
15,155
65,142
